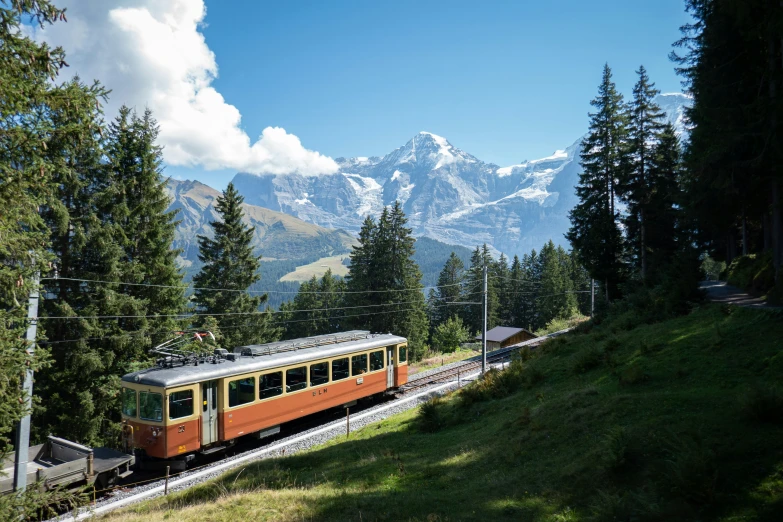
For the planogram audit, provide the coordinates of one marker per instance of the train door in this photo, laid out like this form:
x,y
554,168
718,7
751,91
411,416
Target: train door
x,y
390,366
209,412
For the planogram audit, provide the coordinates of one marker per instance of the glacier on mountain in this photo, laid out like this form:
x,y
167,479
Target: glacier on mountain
x,y
447,194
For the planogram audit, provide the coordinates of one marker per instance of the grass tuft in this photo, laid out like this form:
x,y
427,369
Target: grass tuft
x,y
587,359
431,414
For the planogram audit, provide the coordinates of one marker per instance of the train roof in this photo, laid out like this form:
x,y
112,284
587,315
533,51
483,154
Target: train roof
x,y
318,347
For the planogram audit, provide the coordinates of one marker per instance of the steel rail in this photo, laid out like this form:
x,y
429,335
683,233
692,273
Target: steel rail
x,y
433,384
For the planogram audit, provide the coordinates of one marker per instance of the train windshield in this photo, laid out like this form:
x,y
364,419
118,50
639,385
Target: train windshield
x,y
150,406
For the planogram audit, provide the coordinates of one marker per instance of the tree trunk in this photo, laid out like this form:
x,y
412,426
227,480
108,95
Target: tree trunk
x,y
766,232
643,244
777,248
606,285
744,234
731,247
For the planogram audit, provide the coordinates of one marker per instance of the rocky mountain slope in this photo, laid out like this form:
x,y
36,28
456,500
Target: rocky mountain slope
x,y
448,194
278,236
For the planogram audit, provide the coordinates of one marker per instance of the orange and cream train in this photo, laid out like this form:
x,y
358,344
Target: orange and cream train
x,y
174,411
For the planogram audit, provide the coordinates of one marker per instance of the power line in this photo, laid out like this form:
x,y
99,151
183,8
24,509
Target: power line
x,y
187,315
190,287
521,281
221,328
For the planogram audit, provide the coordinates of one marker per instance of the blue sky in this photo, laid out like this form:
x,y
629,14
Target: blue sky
x,y
505,81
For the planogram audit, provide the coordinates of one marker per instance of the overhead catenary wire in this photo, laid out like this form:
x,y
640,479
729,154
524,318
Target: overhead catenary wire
x,y
206,289
222,328
186,315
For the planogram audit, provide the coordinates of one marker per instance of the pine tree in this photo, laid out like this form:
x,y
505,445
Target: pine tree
x,y
665,230
594,231
513,294
27,102
645,123
581,283
732,184
385,279
231,266
136,205
502,276
448,290
525,299
557,300
473,315
316,308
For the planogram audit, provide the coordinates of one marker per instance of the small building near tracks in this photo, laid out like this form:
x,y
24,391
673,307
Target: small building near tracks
x,y
502,336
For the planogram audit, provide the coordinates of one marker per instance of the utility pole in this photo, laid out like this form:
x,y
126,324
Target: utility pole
x,y
22,441
484,334
592,297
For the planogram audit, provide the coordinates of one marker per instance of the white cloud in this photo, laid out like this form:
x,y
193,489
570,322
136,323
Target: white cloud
x,y
150,53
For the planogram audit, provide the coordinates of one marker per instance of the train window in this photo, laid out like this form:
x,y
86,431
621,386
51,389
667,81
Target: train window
x,y
241,391
296,379
128,402
376,361
270,385
181,404
319,373
340,369
403,354
359,364
150,406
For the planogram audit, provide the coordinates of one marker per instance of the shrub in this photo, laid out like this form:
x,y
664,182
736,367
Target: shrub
x,y
431,415
587,359
633,374
531,376
612,344
691,469
448,336
762,404
752,272
615,453
645,348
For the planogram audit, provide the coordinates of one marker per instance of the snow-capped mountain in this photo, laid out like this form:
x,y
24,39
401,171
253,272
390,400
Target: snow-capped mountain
x,y
447,194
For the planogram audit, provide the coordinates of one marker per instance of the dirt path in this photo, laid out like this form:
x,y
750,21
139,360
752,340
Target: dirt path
x,y
720,292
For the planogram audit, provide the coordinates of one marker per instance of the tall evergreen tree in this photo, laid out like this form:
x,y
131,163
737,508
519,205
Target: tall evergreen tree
x,y
136,204
557,299
666,232
513,293
594,232
448,290
525,299
90,353
730,60
27,99
645,123
386,280
473,315
231,267
502,275
316,309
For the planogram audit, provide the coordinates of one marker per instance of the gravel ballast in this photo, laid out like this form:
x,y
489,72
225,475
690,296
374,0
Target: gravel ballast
x,y
287,446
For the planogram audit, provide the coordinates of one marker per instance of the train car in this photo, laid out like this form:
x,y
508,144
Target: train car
x,y
189,405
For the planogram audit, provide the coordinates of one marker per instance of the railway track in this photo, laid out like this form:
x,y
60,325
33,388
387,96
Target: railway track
x,y
471,365
309,433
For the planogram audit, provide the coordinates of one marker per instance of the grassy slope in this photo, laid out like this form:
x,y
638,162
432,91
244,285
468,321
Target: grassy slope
x,y
649,421
318,268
